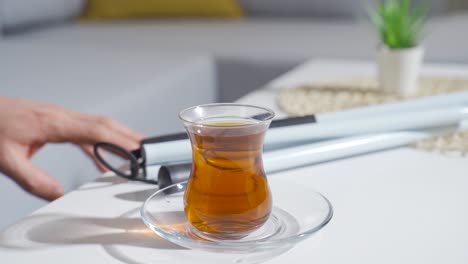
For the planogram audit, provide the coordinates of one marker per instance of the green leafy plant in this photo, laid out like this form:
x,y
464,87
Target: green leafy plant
x,y
398,22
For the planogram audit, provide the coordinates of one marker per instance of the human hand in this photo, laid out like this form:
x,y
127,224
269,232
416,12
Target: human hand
x,y
26,126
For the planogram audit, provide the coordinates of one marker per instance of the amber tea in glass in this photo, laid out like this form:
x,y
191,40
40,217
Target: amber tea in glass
x,y
227,194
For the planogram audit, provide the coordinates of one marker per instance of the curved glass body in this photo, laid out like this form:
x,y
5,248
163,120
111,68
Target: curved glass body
x,y
227,195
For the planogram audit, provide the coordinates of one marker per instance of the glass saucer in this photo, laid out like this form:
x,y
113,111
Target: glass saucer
x,y
298,213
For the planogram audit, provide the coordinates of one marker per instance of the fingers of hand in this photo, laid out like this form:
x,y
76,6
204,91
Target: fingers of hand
x,y
82,128
116,126
30,177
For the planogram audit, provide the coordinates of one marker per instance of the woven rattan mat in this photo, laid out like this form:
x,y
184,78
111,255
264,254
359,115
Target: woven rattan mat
x,y
345,94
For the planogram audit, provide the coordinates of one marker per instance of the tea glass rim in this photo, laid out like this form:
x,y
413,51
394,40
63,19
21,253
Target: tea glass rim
x,y
270,115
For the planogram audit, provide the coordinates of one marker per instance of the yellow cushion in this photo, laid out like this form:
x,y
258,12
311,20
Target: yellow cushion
x,y
121,9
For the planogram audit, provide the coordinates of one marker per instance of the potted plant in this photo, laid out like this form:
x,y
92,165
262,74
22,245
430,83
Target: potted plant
x,y
400,55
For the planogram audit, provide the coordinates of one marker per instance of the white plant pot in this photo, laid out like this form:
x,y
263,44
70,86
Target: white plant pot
x,y
398,69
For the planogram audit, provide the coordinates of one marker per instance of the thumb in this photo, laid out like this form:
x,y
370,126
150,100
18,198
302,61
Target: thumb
x,y
34,180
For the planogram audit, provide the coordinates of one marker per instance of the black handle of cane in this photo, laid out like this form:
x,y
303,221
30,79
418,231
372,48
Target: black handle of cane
x,y
134,165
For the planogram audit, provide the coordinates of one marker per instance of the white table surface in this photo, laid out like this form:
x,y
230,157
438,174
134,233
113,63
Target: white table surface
x,y
398,206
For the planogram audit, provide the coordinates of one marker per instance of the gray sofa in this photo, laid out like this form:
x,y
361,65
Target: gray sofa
x,y
143,72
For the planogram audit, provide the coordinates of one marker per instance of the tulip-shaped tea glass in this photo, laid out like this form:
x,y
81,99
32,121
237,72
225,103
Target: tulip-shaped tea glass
x,y
227,194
